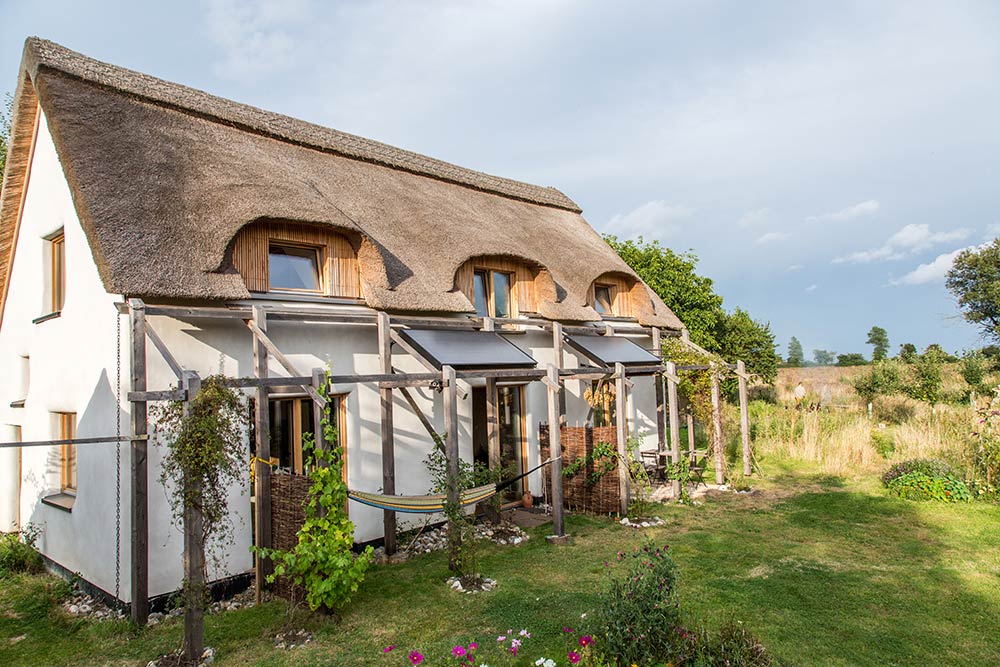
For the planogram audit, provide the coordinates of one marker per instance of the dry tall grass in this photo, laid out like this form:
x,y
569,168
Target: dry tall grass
x,y
842,439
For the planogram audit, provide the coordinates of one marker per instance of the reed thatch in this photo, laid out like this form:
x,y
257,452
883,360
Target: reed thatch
x,y
164,176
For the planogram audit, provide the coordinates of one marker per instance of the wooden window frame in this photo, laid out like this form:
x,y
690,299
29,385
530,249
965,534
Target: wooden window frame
x,y
298,428
488,274
57,271
320,265
612,299
68,480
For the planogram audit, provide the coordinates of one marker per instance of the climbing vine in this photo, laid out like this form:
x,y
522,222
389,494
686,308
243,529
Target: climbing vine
x,y
603,458
322,561
205,454
695,385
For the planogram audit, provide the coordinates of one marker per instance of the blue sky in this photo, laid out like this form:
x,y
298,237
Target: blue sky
x,y
824,160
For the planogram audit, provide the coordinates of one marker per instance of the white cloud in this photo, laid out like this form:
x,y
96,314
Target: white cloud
x,y
992,232
811,288
795,267
770,237
909,240
257,37
931,272
654,219
865,208
751,218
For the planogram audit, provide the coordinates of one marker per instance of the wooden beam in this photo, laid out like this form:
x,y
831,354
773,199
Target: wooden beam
x,y
621,417
139,479
318,383
661,436
262,478
675,427
560,358
555,452
73,441
426,363
279,356
741,374
717,446
194,551
164,352
435,436
451,452
168,395
388,443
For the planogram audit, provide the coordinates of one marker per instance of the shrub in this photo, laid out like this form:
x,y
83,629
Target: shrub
x,y
894,409
638,612
882,379
883,442
18,553
921,486
929,467
733,646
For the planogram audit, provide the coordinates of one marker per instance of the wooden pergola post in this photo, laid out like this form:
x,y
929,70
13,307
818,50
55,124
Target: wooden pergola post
x,y
555,451
557,351
741,374
452,455
717,446
194,549
675,421
388,443
139,511
689,420
621,417
319,439
262,442
492,422
661,436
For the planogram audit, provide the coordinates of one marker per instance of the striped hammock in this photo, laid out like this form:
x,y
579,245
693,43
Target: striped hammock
x,y
428,504
434,502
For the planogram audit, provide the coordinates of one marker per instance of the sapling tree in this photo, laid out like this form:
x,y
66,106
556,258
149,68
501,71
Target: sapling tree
x,y
795,355
824,357
879,340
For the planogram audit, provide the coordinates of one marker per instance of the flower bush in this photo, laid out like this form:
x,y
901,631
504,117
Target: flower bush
x,y
929,467
921,486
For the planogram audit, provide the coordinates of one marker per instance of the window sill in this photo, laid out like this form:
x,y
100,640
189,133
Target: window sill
x,y
46,318
61,501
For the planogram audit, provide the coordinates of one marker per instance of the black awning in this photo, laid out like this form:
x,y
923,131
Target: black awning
x,y
610,350
467,349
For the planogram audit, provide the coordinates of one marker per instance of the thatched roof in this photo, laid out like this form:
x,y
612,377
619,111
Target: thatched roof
x,y
164,176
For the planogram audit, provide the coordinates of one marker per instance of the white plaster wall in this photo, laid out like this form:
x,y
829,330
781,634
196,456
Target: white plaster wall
x,y
71,363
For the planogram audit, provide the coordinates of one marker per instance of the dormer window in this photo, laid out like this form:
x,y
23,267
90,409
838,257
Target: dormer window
x,y
611,295
492,293
292,267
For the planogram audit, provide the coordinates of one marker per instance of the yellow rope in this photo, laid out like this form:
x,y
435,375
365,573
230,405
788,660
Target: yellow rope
x,y
273,461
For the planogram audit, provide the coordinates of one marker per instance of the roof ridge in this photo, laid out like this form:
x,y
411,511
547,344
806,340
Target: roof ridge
x,y
41,53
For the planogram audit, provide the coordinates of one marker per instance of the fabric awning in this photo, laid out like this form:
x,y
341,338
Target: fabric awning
x,y
467,349
609,350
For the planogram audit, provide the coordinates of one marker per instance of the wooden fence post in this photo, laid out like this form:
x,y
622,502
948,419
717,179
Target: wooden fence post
x,y
194,550
717,446
621,417
451,452
675,426
139,513
555,451
388,442
262,477
741,374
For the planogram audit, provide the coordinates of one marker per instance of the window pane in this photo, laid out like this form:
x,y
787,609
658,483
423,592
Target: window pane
x,y
602,299
511,435
293,268
282,432
479,288
58,273
67,431
501,294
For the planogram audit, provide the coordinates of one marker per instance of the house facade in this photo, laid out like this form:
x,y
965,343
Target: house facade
x,y
122,186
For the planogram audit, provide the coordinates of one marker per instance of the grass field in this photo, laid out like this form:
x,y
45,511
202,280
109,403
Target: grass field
x,y
827,570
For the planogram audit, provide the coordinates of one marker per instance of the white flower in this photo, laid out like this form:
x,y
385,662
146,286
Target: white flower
x,y
549,663
583,615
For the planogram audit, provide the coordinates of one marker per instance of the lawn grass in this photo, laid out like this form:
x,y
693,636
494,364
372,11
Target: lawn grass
x,y
826,570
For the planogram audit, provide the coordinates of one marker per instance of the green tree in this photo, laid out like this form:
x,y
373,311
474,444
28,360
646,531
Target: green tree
x,y
672,276
974,279
907,352
925,378
879,339
795,356
973,370
882,379
937,353
824,357
851,359
741,337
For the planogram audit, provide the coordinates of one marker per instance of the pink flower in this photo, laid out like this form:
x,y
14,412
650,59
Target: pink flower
x,y
473,646
388,648
501,639
586,640
574,657
458,651
416,657
568,630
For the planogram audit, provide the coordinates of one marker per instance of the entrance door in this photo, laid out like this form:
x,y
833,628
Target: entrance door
x,y
510,406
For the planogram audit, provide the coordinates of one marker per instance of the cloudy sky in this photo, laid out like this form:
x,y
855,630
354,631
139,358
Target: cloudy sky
x,y
825,161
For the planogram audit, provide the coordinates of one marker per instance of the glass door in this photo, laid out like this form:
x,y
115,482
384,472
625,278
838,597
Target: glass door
x,y
510,404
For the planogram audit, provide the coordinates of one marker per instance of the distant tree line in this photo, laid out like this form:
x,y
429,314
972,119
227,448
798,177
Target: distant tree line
x,y
878,338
